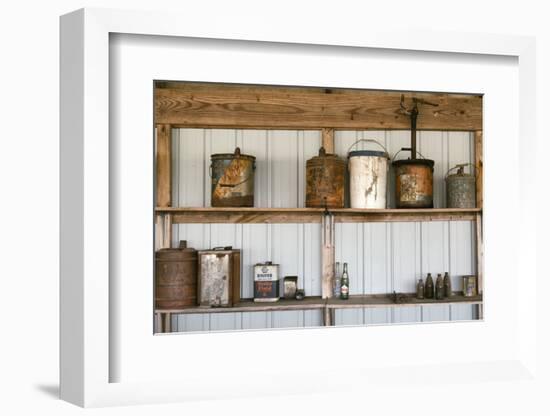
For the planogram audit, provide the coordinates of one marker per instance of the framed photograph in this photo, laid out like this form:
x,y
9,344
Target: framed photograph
x,y
290,210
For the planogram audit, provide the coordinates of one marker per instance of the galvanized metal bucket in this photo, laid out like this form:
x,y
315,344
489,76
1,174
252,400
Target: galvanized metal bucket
x,y
232,179
461,188
368,170
413,183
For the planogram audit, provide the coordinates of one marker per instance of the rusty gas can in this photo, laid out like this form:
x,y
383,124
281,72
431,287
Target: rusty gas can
x,y
232,179
461,188
325,181
176,277
414,183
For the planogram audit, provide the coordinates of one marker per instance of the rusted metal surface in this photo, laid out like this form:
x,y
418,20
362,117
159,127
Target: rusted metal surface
x,y
232,179
325,181
176,277
461,188
219,277
414,183
290,285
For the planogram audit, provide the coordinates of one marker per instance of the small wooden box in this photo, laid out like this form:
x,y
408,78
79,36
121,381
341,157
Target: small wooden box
x,y
219,282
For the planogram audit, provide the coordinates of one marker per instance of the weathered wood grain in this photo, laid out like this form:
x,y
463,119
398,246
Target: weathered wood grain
x,y
249,106
212,215
164,165
328,140
479,167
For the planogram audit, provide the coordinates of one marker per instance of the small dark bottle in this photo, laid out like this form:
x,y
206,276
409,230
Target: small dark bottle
x,y
439,288
429,287
420,289
447,284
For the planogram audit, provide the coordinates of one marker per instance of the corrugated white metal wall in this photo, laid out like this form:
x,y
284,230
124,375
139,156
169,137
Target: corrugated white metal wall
x,y
382,257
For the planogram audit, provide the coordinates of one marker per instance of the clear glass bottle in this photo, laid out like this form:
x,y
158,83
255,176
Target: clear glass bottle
x,y
336,284
447,284
420,289
439,288
344,283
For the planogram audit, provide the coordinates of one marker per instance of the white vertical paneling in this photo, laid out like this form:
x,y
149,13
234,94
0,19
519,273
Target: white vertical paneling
x,y
381,257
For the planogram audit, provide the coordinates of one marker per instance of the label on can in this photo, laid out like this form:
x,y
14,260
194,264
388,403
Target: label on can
x,y
266,290
344,290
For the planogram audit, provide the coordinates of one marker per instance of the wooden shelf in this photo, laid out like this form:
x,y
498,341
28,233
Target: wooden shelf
x,y
313,215
315,302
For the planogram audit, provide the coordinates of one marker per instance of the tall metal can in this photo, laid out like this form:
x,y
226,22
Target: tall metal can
x,y
232,179
325,181
176,277
219,277
414,183
368,171
461,188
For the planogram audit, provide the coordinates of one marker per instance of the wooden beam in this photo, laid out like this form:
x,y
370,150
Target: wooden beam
x,y
254,106
164,165
479,167
327,256
328,140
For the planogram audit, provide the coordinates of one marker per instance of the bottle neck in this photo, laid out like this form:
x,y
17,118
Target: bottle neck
x,y
345,267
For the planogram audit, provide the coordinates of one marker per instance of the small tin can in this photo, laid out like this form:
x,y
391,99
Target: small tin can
x,y
300,294
266,282
469,286
290,284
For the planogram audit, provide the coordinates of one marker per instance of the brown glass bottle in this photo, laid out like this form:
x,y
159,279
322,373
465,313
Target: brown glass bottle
x,y
429,287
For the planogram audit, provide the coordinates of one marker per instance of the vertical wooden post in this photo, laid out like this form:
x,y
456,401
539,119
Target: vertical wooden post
x,y
167,322
479,248
478,134
328,140
327,316
327,255
164,165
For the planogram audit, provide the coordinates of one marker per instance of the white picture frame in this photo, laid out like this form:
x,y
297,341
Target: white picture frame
x,y
86,354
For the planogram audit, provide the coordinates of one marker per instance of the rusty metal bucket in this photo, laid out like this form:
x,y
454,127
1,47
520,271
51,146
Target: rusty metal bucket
x,y
413,183
232,179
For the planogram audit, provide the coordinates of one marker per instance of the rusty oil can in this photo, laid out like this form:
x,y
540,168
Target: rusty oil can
x,y
266,282
325,181
232,179
176,277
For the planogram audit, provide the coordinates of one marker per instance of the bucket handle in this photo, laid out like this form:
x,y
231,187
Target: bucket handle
x,y
371,141
407,149
461,165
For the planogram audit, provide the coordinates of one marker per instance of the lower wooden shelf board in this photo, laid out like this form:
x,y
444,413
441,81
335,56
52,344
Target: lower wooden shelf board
x,y
315,302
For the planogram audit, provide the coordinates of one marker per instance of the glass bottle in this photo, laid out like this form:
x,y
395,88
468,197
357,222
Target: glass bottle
x,y
420,289
439,288
336,285
344,283
447,284
429,287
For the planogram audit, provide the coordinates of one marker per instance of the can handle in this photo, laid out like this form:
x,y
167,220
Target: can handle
x,y
461,165
371,141
407,149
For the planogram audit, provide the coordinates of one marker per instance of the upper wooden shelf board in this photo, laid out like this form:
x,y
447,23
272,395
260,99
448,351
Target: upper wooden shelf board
x,y
183,104
315,302
313,215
